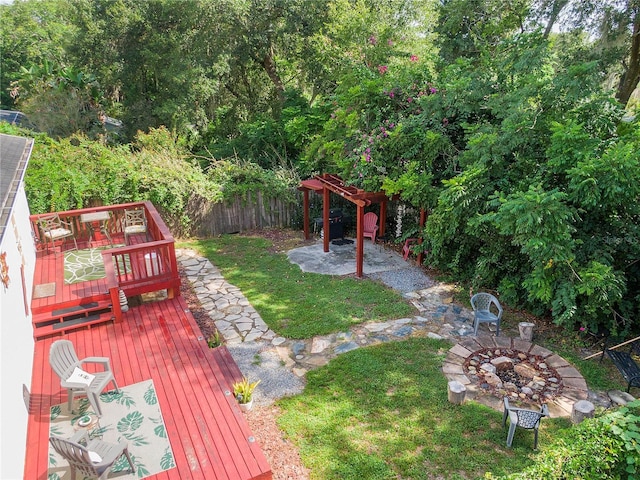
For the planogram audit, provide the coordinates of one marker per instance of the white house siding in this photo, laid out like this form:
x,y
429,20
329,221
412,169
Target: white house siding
x,y
16,335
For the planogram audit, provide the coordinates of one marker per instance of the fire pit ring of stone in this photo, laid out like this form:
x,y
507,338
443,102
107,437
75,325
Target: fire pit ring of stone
x,y
491,368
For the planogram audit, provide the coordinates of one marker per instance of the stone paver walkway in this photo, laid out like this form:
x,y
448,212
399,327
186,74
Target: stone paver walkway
x,y
232,313
258,350
238,321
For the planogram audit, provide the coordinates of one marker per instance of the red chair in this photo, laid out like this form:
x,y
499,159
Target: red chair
x,y
370,221
408,243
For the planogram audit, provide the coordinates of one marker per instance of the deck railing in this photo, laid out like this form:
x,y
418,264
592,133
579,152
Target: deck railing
x,y
134,269
115,224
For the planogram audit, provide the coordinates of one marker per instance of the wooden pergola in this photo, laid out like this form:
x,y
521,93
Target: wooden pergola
x,y
326,184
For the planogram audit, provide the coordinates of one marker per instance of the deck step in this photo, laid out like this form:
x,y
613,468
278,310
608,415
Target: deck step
x,y
71,313
77,308
72,317
73,324
46,309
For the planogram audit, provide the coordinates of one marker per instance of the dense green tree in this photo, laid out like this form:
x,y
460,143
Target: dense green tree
x,y
311,52
613,29
508,150
151,59
60,100
520,221
32,34
469,28
506,133
210,66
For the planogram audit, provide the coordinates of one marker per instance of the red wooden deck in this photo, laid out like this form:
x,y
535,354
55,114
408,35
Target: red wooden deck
x,y
50,269
161,341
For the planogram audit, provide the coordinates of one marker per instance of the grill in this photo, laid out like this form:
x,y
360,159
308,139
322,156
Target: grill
x,y
336,224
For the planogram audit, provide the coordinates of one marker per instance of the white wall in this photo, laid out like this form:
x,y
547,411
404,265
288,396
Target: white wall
x,y
16,339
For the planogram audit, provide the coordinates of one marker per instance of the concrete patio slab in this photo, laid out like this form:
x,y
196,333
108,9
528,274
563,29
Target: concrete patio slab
x,y
341,259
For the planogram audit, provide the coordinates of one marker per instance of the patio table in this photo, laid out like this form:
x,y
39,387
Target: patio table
x,y
97,225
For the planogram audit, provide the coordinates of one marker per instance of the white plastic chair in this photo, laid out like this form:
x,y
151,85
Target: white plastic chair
x,y
523,418
63,360
93,458
481,304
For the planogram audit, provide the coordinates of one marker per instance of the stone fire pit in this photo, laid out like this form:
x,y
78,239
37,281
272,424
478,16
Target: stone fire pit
x,y
493,367
515,374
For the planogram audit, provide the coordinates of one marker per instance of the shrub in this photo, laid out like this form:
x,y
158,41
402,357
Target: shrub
x,y
240,178
76,172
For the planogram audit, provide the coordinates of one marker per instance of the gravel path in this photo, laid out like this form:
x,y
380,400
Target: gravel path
x,y
404,280
259,360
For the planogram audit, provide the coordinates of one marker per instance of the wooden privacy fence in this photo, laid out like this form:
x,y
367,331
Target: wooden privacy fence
x,y
256,211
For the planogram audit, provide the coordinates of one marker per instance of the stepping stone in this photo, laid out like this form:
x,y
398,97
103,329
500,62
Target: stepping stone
x,y
403,331
344,336
252,336
380,338
346,347
222,324
190,262
619,397
377,327
319,345
269,335
298,347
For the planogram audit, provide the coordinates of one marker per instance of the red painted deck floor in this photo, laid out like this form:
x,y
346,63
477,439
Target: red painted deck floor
x,y
160,341
50,269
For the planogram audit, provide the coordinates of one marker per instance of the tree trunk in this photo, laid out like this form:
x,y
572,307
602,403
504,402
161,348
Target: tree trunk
x,y
631,75
456,392
270,67
558,5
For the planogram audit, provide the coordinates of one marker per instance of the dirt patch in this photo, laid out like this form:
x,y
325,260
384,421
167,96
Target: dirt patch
x,y
283,239
282,455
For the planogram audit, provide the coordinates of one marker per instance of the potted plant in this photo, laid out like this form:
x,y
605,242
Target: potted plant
x,y
215,340
243,391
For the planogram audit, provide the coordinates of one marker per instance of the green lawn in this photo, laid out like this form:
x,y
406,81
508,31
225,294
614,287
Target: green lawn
x,y
296,304
382,413
378,412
